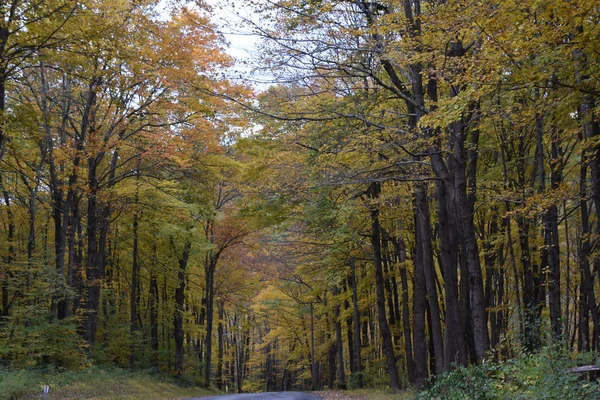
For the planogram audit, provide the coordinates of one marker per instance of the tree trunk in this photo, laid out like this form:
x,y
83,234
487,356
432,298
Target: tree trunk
x,y
419,308
423,226
135,268
210,301
94,259
339,345
93,268
8,259
455,348
349,331
408,348
532,289
220,333
464,205
386,336
153,305
588,295
356,358
552,245
179,308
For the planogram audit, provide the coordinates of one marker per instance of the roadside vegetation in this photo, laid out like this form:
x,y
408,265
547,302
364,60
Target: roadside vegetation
x,y
544,375
95,383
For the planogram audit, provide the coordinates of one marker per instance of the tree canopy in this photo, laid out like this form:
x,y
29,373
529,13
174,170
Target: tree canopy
x,y
418,190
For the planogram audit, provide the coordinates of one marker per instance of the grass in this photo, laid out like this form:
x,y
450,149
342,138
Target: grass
x,y
94,383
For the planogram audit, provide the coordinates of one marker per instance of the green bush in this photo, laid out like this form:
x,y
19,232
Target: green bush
x,y
42,344
475,382
17,383
543,375
356,381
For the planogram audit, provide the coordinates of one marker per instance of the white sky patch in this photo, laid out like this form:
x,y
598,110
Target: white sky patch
x,y
234,19
231,18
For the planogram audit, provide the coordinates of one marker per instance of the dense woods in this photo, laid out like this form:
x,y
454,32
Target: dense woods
x,y
417,190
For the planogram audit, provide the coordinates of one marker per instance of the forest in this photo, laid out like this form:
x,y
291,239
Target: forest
x,y
397,190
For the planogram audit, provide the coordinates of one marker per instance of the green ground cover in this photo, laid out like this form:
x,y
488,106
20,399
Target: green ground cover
x,y
95,383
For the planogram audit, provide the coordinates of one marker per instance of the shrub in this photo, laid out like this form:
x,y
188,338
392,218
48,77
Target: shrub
x,y
475,382
356,380
543,375
42,344
17,383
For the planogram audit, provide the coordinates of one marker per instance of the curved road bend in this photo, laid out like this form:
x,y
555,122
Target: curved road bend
x,y
264,396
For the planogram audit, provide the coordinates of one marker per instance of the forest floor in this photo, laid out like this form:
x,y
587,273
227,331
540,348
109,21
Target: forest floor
x,y
104,384
96,384
134,389
138,389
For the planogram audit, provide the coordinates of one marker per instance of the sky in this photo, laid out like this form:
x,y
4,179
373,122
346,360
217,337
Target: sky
x,y
231,17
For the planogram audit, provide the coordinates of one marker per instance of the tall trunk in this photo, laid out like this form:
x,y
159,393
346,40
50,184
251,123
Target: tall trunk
x,y
93,273
587,289
550,260
210,301
98,218
419,306
507,224
329,336
60,248
314,367
387,281
153,305
458,174
551,241
331,357
135,267
566,324
395,295
583,337
532,289
493,281
423,225
180,307
8,259
60,208
455,348
408,348
220,334
464,205
93,267
31,236
349,330
67,238
386,336
75,275
270,383
4,33
339,345
356,359
591,132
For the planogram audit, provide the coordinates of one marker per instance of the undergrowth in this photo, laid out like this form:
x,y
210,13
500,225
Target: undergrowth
x,y
543,375
93,383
